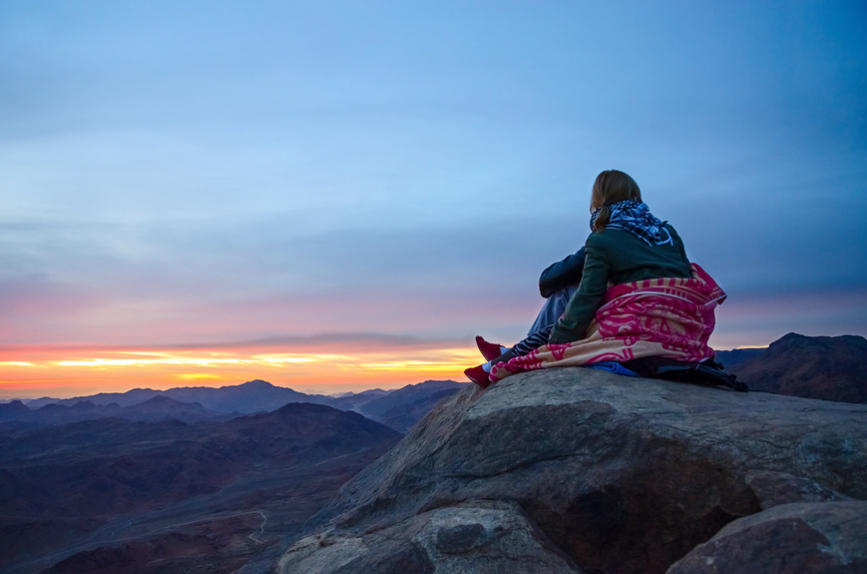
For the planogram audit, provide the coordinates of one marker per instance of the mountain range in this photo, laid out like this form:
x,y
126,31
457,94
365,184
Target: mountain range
x,y
67,490
399,408
156,408
115,481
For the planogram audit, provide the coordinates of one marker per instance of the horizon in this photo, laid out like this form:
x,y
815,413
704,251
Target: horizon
x,y
341,196
4,400
308,391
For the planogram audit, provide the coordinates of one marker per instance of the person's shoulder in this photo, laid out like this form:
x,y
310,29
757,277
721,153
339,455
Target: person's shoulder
x,y
609,241
596,240
673,232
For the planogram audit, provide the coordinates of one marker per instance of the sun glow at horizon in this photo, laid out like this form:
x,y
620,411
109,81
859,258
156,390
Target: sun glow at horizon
x,y
80,372
62,372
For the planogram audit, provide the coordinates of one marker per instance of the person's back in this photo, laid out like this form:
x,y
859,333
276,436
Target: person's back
x,y
614,257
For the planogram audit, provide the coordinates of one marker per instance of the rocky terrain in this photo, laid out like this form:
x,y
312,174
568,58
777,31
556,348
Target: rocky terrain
x,y
827,368
119,495
577,470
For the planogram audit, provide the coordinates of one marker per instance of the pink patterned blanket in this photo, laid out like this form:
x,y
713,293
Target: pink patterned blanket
x,y
667,317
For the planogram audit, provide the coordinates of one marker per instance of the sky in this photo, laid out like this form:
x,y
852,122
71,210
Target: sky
x,y
340,195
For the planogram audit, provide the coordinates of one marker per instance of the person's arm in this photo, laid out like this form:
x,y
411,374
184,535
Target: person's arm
x,y
562,274
584,303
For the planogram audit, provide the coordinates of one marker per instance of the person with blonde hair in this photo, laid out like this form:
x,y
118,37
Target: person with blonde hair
x,y
638,296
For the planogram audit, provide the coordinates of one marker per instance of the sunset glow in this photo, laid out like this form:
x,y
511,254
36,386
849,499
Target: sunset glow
x,y
63,372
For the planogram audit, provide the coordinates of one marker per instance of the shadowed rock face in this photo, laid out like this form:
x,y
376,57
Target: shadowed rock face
x,y
827,368
829,538
618,475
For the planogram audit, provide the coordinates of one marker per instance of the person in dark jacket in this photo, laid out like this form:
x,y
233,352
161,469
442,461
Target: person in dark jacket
x,y
627,244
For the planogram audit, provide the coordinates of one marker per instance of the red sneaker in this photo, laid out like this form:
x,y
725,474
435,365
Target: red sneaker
x,y
490,351
478,376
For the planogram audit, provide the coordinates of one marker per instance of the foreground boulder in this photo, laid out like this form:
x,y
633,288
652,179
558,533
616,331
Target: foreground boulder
x,y
575,469
829,538
472,536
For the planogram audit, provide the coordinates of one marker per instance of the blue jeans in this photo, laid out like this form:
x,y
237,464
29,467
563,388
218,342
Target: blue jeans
x,y
545,321
552,309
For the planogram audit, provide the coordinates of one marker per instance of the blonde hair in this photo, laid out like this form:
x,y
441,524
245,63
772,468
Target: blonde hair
x,y
611,186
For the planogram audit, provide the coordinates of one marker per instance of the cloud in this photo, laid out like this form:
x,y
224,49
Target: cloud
x,y
398,176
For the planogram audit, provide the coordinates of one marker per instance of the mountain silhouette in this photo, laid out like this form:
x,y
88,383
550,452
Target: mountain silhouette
x,y
398,408
827,368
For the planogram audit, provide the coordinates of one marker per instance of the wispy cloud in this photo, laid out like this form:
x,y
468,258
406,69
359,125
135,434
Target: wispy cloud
x,y
286,178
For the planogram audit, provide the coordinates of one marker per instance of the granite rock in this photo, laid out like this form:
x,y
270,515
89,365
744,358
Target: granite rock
x,y
621,474
815,538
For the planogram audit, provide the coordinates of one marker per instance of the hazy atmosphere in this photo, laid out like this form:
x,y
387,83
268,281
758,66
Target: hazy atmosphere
x,y
337,196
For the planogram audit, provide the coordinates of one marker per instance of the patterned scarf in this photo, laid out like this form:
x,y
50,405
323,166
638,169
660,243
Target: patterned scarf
x,y
635,217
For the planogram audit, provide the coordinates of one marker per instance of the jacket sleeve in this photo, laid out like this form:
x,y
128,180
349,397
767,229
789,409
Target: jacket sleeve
x,y
582,307
562,274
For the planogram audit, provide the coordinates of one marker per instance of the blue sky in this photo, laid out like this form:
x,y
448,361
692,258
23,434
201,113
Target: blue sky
x,y
175,173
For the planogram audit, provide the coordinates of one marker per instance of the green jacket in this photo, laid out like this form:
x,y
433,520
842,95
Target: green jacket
x,y
613,257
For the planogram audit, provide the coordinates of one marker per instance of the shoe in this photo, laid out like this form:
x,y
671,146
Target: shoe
x,y
479,376
490,351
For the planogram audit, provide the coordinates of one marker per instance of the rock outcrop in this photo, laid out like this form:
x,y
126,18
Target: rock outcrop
x,y
829,538
575,470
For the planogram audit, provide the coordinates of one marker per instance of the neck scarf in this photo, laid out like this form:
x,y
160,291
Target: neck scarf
x,y
635,217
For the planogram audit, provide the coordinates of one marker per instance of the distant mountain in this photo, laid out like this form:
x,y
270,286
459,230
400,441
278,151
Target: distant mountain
x,y
382,408
126,399
13,410
251,397
154,409
400,408
737,357
351,401
403,416
162,407
827,368
242,483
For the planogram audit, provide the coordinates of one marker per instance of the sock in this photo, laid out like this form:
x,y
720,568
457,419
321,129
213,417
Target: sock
x,y
487,367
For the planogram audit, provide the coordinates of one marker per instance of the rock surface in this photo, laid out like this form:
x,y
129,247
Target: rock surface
x,y
776,488
619,475
472,536
819,538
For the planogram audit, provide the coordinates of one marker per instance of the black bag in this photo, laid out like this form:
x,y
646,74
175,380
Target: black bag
x,y
705,373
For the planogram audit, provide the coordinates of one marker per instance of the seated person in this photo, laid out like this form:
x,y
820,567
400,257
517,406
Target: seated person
x,y
638,295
